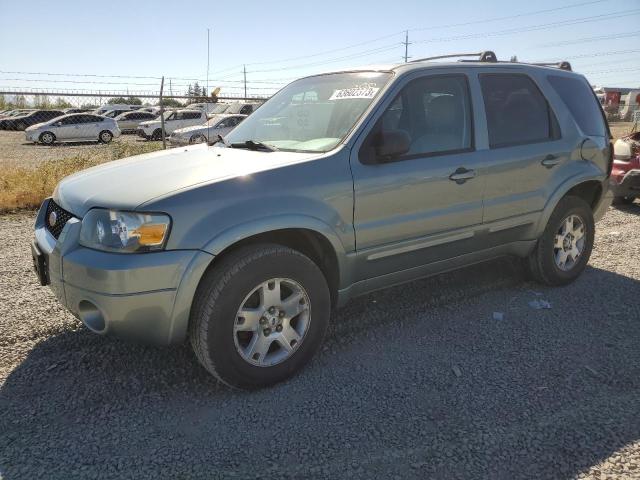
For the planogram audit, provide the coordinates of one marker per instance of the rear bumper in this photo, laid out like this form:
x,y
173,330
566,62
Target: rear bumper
x,y
144,296
627,185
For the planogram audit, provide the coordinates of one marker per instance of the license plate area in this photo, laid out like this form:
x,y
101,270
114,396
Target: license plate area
x,y
40,264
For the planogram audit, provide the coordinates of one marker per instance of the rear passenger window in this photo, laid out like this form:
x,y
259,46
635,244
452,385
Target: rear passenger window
x,y
581,102
517,112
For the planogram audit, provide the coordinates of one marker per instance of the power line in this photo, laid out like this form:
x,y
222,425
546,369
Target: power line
x,y
333,60
591,39
451,25
543,26
508,17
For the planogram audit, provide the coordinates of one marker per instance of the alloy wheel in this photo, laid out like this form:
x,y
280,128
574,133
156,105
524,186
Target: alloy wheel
x,y
272,322
569,242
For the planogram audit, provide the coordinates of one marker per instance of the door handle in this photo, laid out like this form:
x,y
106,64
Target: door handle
x,y
461,175
550,161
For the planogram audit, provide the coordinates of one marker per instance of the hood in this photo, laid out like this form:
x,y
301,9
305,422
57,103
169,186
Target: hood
x,y
130,182
36,126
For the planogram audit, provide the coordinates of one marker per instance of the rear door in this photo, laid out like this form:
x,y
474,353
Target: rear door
x,y
526,150
425,205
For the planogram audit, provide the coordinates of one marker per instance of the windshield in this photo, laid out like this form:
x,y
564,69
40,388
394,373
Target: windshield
x,y
311,114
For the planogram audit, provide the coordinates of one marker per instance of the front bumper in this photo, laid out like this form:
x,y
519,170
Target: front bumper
x,y
178,141
143,296
31,136
141,133
627,185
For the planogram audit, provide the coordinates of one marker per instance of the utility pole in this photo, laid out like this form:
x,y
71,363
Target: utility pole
x,y
406,46
208,48
170,91
164,142
244,71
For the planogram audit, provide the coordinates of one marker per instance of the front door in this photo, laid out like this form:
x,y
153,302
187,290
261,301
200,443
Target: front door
x,y
426,204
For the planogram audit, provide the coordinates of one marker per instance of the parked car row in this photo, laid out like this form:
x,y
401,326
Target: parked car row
x,y
109,121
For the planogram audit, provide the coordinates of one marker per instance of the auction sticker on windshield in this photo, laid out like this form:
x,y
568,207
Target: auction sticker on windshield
x,y
355,92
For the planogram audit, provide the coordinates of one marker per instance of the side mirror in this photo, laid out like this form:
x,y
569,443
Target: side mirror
x,y
391,144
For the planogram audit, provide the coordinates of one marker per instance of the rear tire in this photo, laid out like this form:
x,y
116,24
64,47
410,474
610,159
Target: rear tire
x,y
241,328
157,134
562,252
105,136
47,138
197,139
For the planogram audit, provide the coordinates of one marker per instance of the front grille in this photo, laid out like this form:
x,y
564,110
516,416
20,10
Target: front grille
x,y
61,218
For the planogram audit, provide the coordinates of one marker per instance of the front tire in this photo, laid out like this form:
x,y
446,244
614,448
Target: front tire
x,y
197,139
157,134
105,136
259,315
47,138
562,252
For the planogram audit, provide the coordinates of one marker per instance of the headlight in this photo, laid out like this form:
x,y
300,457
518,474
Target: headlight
x,y
117,231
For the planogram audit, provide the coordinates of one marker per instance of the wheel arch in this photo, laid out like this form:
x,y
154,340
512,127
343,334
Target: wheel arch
x,y
590,188
310,236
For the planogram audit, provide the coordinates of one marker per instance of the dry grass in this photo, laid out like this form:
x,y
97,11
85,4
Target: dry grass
x,y
26,188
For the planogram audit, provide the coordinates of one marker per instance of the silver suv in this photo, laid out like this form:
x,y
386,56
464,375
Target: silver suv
x,y
339,185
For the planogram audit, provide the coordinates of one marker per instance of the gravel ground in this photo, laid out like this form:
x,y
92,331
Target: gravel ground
x,y
418,381
15,151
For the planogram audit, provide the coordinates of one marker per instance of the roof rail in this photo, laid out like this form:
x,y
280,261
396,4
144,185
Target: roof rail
x,y
487,56
490,57
564,65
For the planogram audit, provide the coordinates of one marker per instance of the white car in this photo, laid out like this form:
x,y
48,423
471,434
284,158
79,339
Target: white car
x,y
129,121
211,108
152,130
216,125
75,127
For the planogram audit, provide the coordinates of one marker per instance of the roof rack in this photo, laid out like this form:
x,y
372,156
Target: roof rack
x,y
490,57
564,65
487,56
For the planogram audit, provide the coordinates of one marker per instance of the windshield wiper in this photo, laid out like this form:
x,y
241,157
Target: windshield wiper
x,y
253,145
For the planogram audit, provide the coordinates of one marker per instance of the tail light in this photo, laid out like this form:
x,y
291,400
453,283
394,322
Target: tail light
x,y
610,165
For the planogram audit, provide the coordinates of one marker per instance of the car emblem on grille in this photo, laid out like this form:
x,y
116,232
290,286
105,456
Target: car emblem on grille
x,y
53,218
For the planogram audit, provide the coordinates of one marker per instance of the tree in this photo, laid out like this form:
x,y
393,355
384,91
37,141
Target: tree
x,y
41,101
21,102
171,102
62,103
130,100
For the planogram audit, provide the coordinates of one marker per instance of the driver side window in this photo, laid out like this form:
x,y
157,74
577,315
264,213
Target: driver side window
x,y
435,113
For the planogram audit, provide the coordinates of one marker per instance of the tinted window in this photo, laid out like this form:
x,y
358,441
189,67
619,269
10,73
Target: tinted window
x,y
69,120
517,112
191,115
579,99
435,112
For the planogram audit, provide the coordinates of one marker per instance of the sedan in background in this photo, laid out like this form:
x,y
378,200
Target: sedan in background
x,y
128,122
21,122
76,127
216,125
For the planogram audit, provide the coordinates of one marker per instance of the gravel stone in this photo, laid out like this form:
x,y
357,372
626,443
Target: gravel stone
x,y
550,393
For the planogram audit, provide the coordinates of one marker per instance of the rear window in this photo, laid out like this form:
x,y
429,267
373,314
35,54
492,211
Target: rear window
x,y
517,112
579,99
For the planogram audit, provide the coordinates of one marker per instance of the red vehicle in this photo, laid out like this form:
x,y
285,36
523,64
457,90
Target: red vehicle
x,y
625,176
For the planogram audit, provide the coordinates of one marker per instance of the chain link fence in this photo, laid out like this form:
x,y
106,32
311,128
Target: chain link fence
x,y
58,117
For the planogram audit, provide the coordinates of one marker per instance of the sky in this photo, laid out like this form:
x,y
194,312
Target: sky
x,y
103,46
